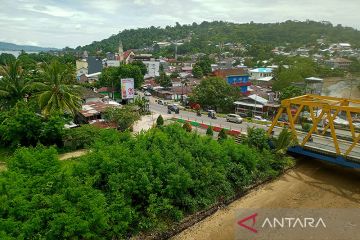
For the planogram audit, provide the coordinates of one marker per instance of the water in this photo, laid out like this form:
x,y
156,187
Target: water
x,y
15,53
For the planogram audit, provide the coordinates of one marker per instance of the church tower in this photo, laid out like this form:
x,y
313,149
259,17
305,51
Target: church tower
x,y
121,52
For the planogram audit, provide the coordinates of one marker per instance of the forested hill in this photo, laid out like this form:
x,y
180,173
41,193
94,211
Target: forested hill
x,y
14,47
207,34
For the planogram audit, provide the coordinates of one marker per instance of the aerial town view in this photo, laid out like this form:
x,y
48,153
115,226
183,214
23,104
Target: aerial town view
x,y
180,120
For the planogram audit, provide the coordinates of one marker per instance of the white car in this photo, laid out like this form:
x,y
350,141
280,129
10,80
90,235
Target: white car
x,y
234,118
259,118
147,93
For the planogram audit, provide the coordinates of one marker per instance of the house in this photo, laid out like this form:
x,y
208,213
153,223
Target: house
x,y
88,95
92,112
338,63
153,68
128,56
81,64
81,71
94,64
112,63
258,73
255,105
236,77
313,85
110,56
89,78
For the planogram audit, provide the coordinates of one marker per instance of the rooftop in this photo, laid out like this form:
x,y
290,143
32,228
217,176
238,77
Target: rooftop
x,y
261,70
95,108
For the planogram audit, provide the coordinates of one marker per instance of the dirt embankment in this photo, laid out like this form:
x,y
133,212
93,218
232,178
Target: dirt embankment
x,y
311,184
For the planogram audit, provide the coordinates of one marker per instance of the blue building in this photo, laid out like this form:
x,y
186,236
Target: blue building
x,y
236,77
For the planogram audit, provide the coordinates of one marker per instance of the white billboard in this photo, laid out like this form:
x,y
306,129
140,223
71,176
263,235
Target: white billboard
x,y
127,88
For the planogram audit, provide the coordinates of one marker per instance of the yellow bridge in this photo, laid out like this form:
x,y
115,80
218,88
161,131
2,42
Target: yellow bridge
x,y
325,136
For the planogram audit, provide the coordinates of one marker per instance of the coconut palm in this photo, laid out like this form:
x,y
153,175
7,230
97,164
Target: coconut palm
x,y
285,140
56,92
14,85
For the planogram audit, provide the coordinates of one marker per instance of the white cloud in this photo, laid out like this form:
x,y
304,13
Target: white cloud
x,y
70,23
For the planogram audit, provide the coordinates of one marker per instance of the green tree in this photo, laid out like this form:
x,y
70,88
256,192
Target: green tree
x,y
164,80
285,140
197,72
131,71
209,131
175,74
141,65
258,138
215,93
123,117
204,64
57,93
20,126
222,135
52,130
290,92
6,59
15,84
160,121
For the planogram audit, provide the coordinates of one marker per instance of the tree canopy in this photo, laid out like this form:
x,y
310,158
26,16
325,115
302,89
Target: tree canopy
x,y
125,185
215,93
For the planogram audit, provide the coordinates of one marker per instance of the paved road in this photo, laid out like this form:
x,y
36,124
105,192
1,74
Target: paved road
x,y
319,142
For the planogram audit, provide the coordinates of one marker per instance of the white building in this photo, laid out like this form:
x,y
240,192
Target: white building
x,y
259,73
112,63
153,68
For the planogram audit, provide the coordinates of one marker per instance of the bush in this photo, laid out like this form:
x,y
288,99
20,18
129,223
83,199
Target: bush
x,y
160,121
222,135
187,127
258,138
81,137
306,127
209,131
125,185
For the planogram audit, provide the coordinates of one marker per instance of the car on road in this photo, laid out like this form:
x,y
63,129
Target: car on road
x,y
173,108
161,102
234,118
259,118
146,93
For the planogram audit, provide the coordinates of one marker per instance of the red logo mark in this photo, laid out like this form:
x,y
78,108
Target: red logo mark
x,y
250,228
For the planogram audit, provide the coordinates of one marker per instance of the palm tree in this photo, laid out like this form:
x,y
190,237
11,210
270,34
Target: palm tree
x,y
14,85
57,93
285,140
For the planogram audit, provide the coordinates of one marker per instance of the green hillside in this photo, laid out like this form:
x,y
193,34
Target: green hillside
x,y
206,35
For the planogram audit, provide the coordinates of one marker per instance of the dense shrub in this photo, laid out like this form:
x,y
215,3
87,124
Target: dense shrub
x,y
187,127
258,138
306,127
160,121
125,185
222,135
209,131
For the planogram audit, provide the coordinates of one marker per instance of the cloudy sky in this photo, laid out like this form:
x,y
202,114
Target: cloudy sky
x,y
60,23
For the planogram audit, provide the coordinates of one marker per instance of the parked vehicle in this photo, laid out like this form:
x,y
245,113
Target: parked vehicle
x,y
161,102
173,108
211,113
234,118
146,93
259,118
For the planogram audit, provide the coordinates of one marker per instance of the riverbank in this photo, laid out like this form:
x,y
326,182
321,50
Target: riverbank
x,y
312,184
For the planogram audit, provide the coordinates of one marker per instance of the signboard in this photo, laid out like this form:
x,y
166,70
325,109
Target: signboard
x,y
127,88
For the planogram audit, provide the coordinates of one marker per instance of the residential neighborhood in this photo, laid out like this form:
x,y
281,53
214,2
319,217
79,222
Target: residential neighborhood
x,y
180,120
